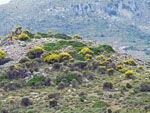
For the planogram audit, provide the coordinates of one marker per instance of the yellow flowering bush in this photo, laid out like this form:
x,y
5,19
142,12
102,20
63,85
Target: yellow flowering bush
x,y
52,58
14,37
130,62
129,74
65,56
88,56
23,37
2,54
85,51
35,52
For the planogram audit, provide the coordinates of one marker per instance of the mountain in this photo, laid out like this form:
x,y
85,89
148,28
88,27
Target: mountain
x,y
114,22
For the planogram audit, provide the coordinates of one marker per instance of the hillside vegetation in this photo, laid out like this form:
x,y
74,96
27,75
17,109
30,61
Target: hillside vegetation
x,y
57,73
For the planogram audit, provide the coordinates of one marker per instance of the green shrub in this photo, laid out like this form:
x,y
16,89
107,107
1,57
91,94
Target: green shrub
x,y
62,36
38,36
102,48
38,80
43,35
2,78
75,44
61,44
29,33
99,104
68,78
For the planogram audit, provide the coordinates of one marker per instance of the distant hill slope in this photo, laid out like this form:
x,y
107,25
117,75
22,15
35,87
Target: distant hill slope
x,y
108,21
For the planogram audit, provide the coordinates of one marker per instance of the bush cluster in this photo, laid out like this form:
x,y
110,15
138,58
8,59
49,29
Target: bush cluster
x,y
52,58
62,36
103,48
85,51
23,37
130,62
2,54
39,81
35,52
61,44
129,74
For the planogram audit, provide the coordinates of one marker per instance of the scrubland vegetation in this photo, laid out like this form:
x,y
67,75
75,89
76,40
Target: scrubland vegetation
x,y
71,75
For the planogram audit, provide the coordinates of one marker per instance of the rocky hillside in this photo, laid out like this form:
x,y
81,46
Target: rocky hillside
x,y
57,73
120,23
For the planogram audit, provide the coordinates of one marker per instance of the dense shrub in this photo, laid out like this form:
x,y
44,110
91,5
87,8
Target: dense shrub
x,y
77,37
16,73
65,56
102,69
129,74
61,86
102,48
2,78
68,78
5,60
61,44
56,66
14,37
2,54
44,35
35,52
88,56
128,85
52,58
107,85
130,62
24,60
37,36
99,104
29,33
23,37
12,86
4,111
51,46
62,36
110,71
85,51
54,96
145,87
53,103
90,75
80,65
26,102
39,81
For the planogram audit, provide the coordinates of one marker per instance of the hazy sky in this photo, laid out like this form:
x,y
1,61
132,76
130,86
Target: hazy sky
x,y
4,1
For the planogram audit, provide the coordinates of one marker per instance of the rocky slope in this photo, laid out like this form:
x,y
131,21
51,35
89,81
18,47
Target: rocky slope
x,y
65,74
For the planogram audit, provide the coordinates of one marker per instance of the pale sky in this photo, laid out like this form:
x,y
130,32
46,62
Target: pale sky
x,y
4,1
